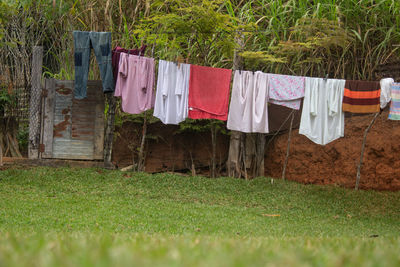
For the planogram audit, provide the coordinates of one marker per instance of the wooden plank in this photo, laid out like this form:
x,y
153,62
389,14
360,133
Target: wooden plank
x,y
62,111
67,148
50,85
34,104
63,147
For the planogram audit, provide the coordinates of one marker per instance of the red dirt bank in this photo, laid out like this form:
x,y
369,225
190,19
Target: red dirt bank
x,y
336,163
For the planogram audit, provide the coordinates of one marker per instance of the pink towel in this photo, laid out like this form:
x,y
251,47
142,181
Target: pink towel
x,y
286,90
209,92
135,83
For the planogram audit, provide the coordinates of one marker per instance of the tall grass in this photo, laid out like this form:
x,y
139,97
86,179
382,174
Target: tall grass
x,y
373,26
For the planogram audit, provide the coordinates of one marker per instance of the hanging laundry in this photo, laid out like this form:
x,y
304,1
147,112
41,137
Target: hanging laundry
x,y
209,92
361,97
101,43
135,83
385,91
322,119
248,110
116,52
171,105
395,104
286,90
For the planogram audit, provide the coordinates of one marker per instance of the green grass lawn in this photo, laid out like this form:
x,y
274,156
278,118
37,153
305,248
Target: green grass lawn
x,y
90,217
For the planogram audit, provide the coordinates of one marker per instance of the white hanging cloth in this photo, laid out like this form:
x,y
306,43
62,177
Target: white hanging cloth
x,y
171,104
385,91
248,109
322,118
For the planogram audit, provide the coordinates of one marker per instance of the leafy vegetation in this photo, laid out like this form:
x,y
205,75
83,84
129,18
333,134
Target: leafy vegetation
x,y
89,216
348,38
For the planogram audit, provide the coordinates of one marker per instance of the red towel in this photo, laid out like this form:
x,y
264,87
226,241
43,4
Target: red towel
x,y
209,92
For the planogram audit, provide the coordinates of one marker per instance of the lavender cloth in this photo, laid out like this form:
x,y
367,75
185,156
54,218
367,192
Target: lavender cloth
x,y
116,52
135,83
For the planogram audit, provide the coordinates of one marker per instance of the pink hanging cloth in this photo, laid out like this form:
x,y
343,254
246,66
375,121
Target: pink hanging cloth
x,y
209,92
135,83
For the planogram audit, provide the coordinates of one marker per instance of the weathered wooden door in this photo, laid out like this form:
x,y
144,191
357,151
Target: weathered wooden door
x,y
72,128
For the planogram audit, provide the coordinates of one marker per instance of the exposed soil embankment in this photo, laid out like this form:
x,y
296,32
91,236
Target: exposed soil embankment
x,y
336,163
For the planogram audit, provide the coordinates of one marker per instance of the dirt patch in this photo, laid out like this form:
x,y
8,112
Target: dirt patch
x,y
167,149
336,163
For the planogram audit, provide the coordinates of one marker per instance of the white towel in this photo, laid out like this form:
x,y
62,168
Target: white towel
x,y
171,105
385,91
322,118
240,107
248,109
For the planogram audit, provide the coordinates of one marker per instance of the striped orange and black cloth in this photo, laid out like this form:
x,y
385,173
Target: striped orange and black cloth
x,y
361,97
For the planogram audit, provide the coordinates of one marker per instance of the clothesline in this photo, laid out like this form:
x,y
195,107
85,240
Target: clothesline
x,y
193,31
200,92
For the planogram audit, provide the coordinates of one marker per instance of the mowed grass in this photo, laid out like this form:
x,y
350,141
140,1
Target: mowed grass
x,y
87,217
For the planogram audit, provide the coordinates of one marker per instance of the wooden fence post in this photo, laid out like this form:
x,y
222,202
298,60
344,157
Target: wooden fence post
x,y
109,134
34,104
233,164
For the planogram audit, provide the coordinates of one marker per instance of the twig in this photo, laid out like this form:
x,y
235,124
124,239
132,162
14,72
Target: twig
x,y
288,148
280,128
362,150
1,149
193,168
243,153
141,151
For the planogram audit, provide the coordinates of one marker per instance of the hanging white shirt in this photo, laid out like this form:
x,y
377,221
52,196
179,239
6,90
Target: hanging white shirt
x,y
171,104
248,109
385,91
322,118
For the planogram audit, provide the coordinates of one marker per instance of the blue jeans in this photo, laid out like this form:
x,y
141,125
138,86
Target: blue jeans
x,y
101,43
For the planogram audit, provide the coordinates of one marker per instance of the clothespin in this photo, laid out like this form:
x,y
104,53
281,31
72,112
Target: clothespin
x,y
179,60
326,77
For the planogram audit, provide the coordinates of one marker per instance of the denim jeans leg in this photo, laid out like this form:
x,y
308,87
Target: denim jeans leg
x,y
101,42
82,61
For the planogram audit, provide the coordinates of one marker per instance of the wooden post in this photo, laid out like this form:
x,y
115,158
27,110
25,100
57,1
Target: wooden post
x,y
288,148
34,105
259,157
109,135
141,150
49,98
233,163
362,150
